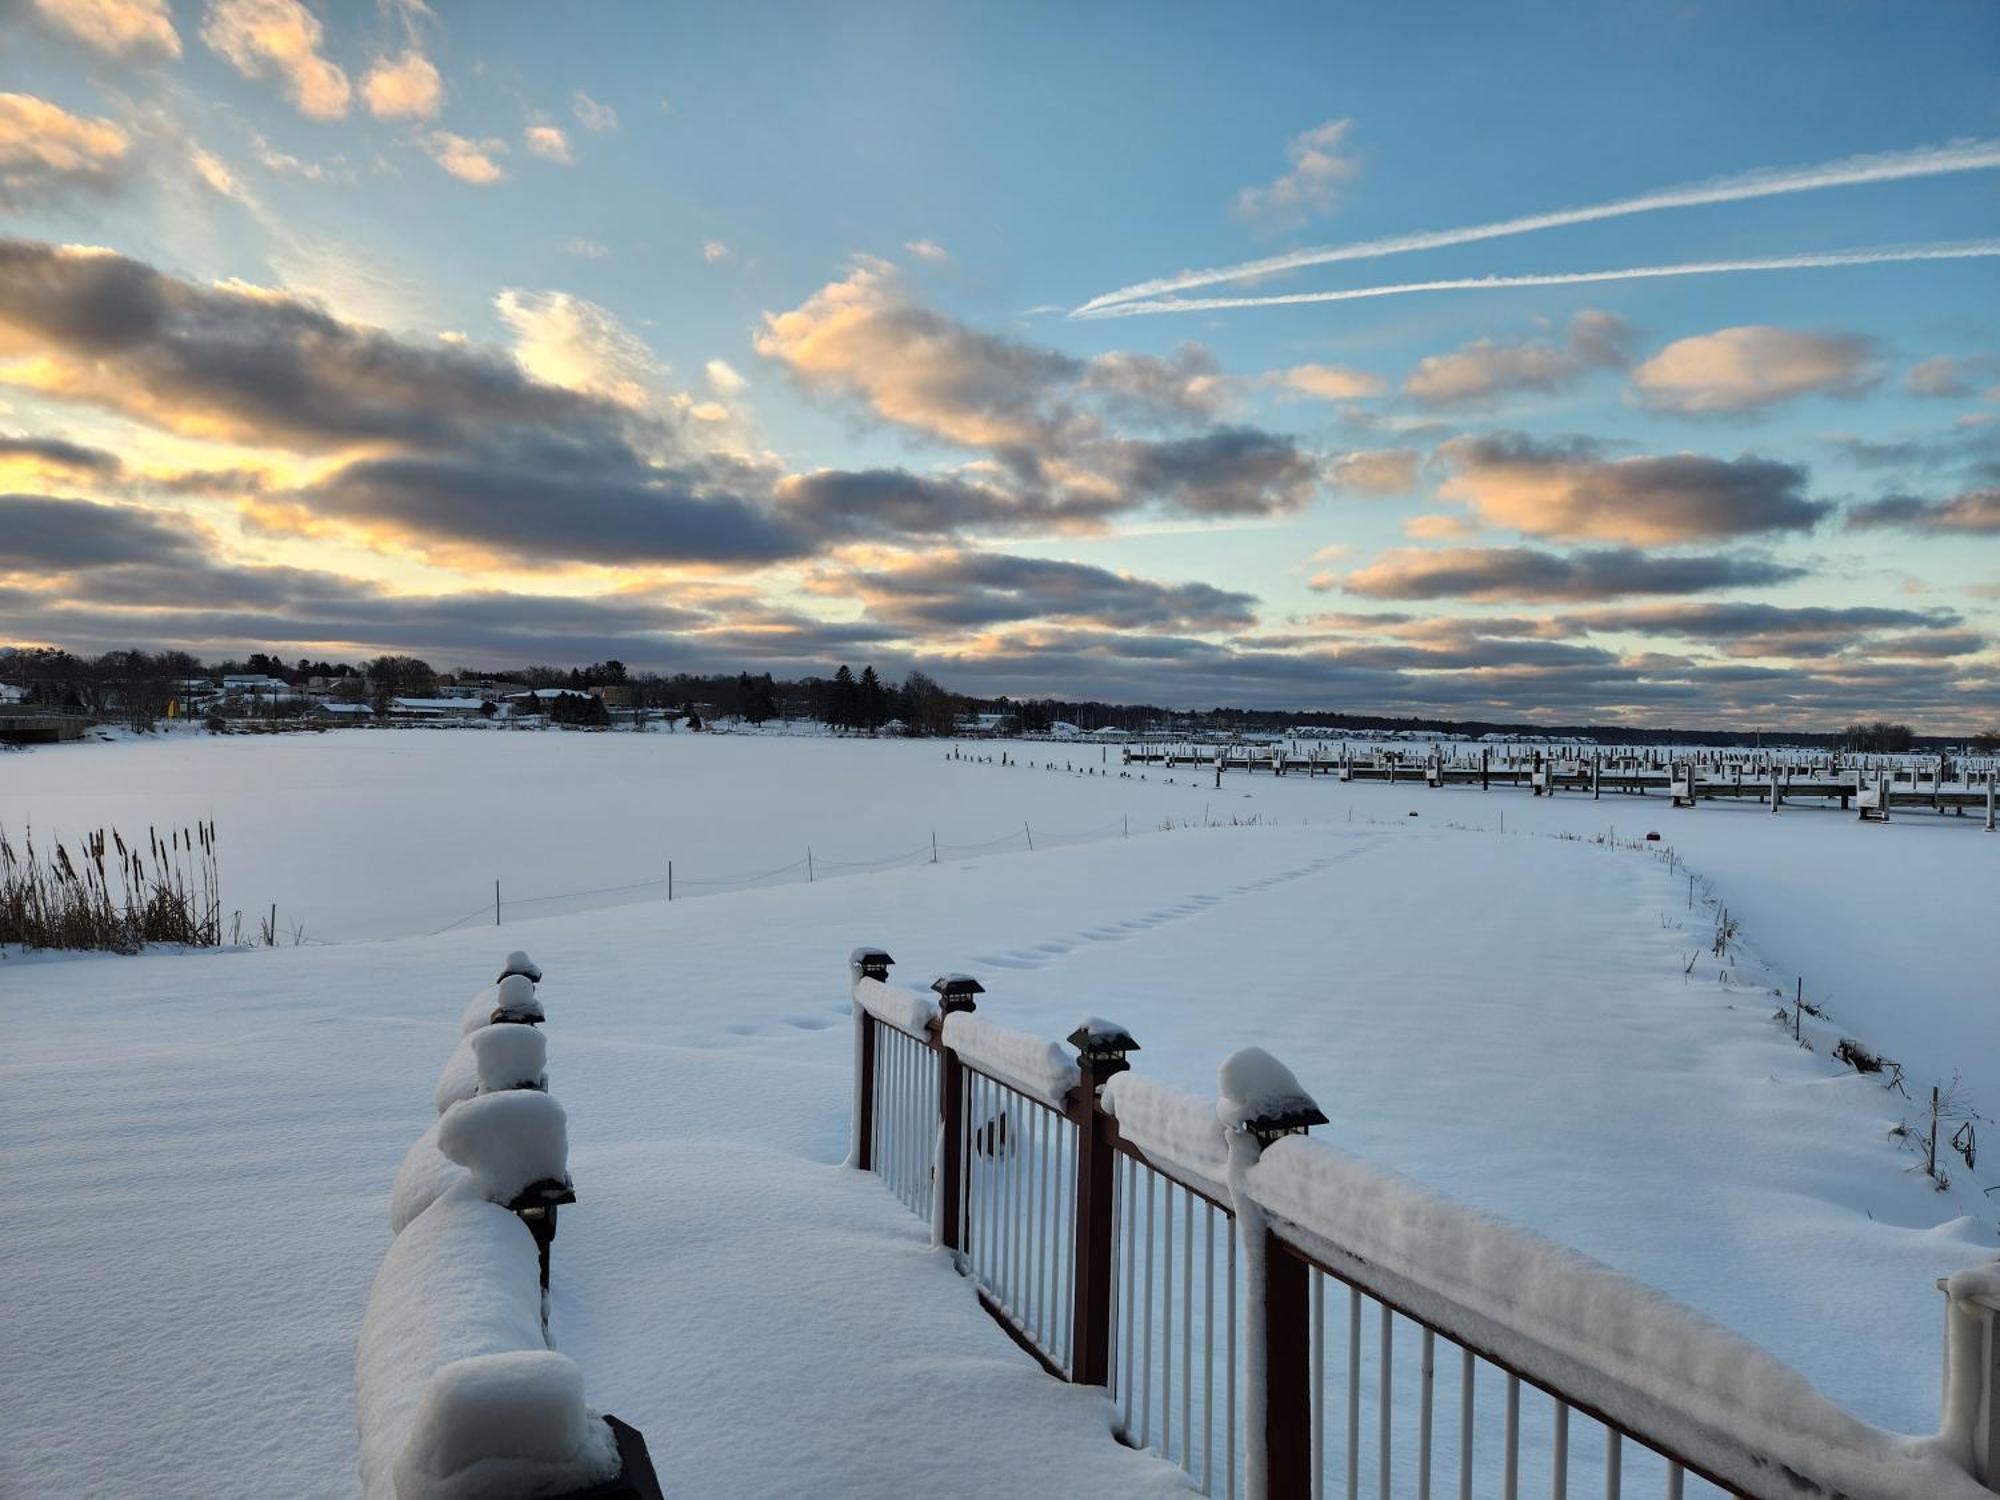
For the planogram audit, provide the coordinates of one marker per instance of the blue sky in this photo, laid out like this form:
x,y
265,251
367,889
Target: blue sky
x,y
745,336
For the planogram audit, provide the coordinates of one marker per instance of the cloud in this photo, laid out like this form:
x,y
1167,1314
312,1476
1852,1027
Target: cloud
x,y
567,341
281,39
1321,165
1923,161
1050,422
1568,490
130,30
1887,255
713,251
214,171
957,591
1328,382
43,533
1750,368
46,152
598,119
1492,574
466,159
549,143
1486,369
1440,528
585,249
929,250
1950,375
1973,513
406,89
891,504
1376,471
39,456
724,377
1768,630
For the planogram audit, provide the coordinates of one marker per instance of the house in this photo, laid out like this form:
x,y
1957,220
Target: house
x,y
537,700
1062,729
1110,732
614,694
343,713
484,689
435,708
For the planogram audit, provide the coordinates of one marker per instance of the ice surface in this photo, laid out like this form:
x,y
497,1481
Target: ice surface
x,y
507,1141
1038,1067
507,1426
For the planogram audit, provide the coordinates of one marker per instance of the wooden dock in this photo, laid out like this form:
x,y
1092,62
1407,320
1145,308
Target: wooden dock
x,y
1874,792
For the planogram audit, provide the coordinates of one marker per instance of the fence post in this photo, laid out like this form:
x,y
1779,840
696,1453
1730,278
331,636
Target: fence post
x,y
864,963
1260,1102
1101,1047
1971,1427
955,993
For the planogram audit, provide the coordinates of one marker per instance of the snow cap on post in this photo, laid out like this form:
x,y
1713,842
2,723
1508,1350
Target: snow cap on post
x,y
509,1142
1101,1046
519,963
1260,1096
506,1424
515,1000
869,963
509,1056
955,992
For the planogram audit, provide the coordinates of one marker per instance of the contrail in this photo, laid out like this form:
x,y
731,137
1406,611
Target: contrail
x,y
1889,166
1967,250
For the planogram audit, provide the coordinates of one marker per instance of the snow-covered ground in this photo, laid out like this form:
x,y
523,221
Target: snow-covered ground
x,y
200,1147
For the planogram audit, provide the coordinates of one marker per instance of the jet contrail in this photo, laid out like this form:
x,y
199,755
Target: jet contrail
x,y
1967,250
1890,166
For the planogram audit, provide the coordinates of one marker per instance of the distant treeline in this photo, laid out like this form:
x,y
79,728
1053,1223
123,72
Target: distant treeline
x,y
140,685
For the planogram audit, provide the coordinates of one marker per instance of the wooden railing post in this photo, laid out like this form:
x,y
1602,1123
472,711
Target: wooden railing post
x,y
1287,1374
955,993
1100,1055
864,963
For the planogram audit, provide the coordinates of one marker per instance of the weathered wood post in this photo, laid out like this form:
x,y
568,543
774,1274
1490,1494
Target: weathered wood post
x,y
955,993
864,963
1101,1048
1485,768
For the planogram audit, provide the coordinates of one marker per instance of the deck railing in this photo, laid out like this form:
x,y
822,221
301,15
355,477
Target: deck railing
x,y
1280,1319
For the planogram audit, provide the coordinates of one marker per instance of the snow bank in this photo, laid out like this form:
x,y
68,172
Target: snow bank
x,y
512,999
507,1141
461,1280
421,1180
509,1055
1255,1086
459,1078
899,1007
504,1427
1177,1129
1617,1345
1037,1067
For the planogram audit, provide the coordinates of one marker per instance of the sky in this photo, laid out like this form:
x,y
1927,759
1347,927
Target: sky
x,y
1019,345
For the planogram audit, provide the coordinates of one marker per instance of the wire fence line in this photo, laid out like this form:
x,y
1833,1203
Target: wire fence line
x,y
678,885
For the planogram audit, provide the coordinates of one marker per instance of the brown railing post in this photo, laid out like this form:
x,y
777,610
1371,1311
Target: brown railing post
x,y
955,993
1287,1314
865,963
1101,1048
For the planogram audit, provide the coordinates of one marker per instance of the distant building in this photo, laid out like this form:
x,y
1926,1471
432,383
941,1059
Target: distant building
x,y
435,708
614,694
343,712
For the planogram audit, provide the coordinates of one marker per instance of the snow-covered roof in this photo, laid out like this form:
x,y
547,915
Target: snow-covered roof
x,y
345,710
434,705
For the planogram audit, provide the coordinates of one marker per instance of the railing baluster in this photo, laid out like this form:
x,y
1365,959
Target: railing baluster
x,y
1511,1475
1674,1480
1187,1330
1131,1317
1167,1323
1146,1360
1353,1393
1614,1464
1208,1353
1382,1417
1465,1379
1559,1485
1427,1383
1229,1383
1319,1384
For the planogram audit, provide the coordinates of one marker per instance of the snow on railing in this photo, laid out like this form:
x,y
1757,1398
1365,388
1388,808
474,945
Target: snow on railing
x,y
456,1388
1103,1217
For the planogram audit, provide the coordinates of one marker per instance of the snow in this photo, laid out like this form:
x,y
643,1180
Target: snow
x,y
504,1427
459,1077
199,1146
461,1280
518,962
423,1177
1170,1125
901,1008
513,998
1254,1088
1040,1068
507,1141
509,1056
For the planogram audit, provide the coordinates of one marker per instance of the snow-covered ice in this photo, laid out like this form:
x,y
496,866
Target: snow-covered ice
x,y
201,1146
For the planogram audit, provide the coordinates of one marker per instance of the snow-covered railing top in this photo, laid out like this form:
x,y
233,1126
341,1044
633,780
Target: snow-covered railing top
x,y
904,1009
1176,1130
1038,1068
1599,1338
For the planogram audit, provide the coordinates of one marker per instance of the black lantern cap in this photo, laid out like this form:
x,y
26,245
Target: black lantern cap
x,y
1101,1045
870,963
955,992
